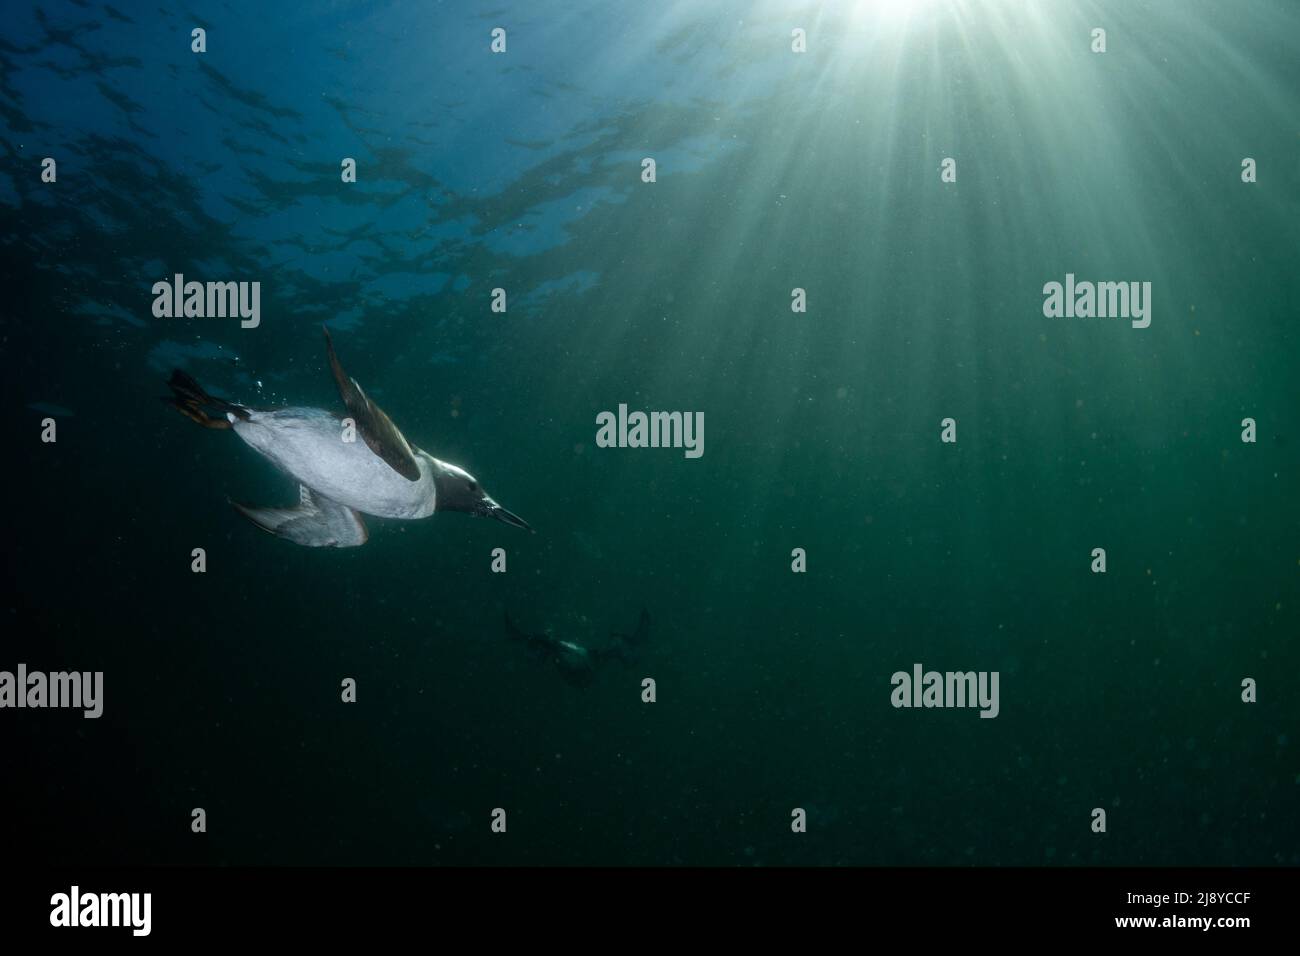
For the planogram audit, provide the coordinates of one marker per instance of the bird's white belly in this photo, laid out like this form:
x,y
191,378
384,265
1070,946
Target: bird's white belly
x,y
308,444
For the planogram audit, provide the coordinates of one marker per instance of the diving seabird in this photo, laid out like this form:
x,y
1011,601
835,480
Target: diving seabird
x,y
339,480
578,663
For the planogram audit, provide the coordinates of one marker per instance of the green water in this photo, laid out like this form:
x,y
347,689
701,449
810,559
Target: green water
x,y
776,171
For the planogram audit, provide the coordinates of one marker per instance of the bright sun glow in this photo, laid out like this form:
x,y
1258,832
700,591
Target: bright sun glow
x,y
892,8
892,11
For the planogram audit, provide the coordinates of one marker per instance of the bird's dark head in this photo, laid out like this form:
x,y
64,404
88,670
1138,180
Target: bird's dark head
x,y
458,490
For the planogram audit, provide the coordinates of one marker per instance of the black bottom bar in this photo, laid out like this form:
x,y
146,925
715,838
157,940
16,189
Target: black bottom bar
x,y
332,905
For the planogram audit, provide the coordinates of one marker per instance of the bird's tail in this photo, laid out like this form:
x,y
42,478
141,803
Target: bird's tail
x,y
621,646
189,398
642,627
639,634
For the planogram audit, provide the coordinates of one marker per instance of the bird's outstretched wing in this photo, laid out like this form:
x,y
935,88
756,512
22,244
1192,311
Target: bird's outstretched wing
x,y
317,522
376,429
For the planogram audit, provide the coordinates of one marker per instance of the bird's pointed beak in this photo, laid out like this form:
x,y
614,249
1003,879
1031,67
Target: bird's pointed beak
x,y
508,517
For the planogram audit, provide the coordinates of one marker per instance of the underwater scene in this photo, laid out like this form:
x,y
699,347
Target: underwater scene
x,y
681,434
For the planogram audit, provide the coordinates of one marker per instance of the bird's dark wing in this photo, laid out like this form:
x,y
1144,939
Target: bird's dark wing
x,y
376,429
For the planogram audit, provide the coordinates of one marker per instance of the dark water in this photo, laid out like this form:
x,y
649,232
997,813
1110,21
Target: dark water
x,y
775,171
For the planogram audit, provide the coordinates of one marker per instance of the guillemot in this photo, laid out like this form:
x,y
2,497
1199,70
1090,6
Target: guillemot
x,y
576,662
339,479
